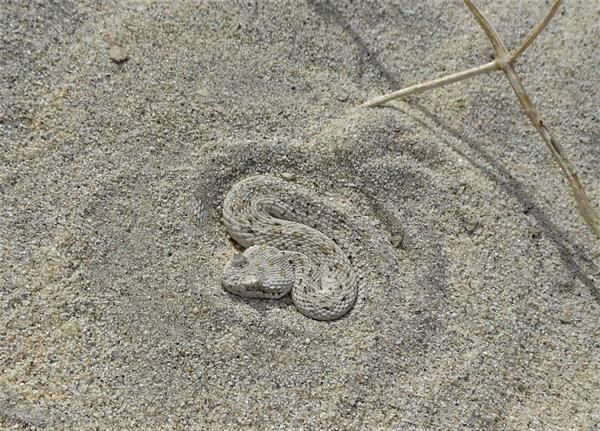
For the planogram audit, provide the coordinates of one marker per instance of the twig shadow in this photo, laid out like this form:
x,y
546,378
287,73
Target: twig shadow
x,y
570,252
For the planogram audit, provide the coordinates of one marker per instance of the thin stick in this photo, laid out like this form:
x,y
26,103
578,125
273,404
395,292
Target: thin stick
x,y
535,32
490,31
567,169
439,82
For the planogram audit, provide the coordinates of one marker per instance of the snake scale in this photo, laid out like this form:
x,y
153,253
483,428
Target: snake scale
x,y
294,244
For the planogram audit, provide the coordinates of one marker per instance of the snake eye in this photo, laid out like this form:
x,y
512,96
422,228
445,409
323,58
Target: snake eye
x,y
239,260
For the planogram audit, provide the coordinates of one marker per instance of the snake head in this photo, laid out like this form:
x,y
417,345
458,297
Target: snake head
x,y
260,272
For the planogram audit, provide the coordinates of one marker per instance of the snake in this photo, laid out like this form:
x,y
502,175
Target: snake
x,y
294,244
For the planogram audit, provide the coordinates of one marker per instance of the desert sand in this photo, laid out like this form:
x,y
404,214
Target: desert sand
x,y
123,124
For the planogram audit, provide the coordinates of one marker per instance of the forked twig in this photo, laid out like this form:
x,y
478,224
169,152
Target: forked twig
x,y
566,167
459,76
505,61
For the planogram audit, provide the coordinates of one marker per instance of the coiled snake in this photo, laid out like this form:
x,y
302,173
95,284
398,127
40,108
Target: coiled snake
x,y
277,221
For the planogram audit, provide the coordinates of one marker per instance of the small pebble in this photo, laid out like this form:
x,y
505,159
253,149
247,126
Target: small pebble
x,y
118,54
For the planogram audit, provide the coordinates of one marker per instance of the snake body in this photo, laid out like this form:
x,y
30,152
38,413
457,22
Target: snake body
x,y
292,246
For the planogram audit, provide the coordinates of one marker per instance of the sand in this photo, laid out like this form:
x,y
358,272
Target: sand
x,y
124,124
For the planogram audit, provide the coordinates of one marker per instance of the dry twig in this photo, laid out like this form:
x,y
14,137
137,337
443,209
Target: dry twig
x,y
504,62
